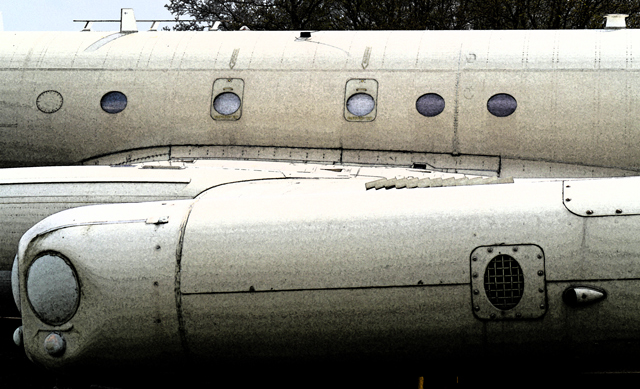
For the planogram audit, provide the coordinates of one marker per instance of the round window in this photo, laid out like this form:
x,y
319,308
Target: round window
x,y
502,105
113,102
226,103
360,104
429,105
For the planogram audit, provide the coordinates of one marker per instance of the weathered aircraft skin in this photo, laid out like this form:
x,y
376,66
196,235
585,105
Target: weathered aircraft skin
x,y
347,193
28,195
576,107
315,268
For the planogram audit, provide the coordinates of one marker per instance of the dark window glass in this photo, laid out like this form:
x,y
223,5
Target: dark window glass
x,y
502,105
226,103
113,102
429,105
360,104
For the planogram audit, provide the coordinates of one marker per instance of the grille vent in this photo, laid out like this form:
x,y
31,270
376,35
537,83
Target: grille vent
x,y
504,282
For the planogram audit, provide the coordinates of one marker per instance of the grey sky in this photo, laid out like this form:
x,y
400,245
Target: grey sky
x,y
49,15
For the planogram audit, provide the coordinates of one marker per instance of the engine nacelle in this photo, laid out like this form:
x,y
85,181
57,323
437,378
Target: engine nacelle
x,y
327,269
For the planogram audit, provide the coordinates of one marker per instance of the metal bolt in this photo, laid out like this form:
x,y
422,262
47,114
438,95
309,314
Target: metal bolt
x,y
477,307
490,250
515,249
540,290
539,256
475,275
541,306
493,316
474,259
476,291
568,186
567,199
589,212
618,211
540,273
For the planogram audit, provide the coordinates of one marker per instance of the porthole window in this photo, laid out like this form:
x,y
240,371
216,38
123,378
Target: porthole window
x,y
360,104
113,102
430,104
502,105
226,103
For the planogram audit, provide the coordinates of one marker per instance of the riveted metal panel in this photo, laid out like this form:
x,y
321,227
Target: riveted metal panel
x,y
366,86
603,197
531,302
227,85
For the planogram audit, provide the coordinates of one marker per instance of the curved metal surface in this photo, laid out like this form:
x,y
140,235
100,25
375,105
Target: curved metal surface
x,y
602,197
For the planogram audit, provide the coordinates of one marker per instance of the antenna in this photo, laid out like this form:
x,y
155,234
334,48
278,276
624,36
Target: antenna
x,y
616,21
128,22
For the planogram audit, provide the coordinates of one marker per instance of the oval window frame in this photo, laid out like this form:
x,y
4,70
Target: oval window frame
x,y
110,99
429,111
502,105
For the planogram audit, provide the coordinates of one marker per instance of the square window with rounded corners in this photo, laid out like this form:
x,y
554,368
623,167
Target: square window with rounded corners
x,y
360,100
226,99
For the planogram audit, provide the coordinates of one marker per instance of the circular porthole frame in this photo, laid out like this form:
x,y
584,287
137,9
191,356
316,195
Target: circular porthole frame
x,y
49,101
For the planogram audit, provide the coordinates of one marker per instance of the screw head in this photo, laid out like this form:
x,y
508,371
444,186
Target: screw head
x,y
474,259
540,273
541,306
589,212
540,290
518,314
475,274
493,316
477,307
490,250
476,291
567,199
539,256
618,211
515,249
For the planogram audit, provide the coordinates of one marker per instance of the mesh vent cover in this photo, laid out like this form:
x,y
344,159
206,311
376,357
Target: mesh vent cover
x,y
504,282
498,287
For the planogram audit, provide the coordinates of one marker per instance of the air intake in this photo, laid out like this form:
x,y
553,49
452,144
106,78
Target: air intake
x,y
503,282
508,282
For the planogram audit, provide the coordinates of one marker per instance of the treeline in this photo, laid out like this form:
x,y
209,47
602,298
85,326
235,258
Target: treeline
x,y
400,14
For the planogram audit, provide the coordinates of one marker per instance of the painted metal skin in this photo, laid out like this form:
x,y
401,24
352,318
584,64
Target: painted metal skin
x,y
321,268
246,260
577,110
28,195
